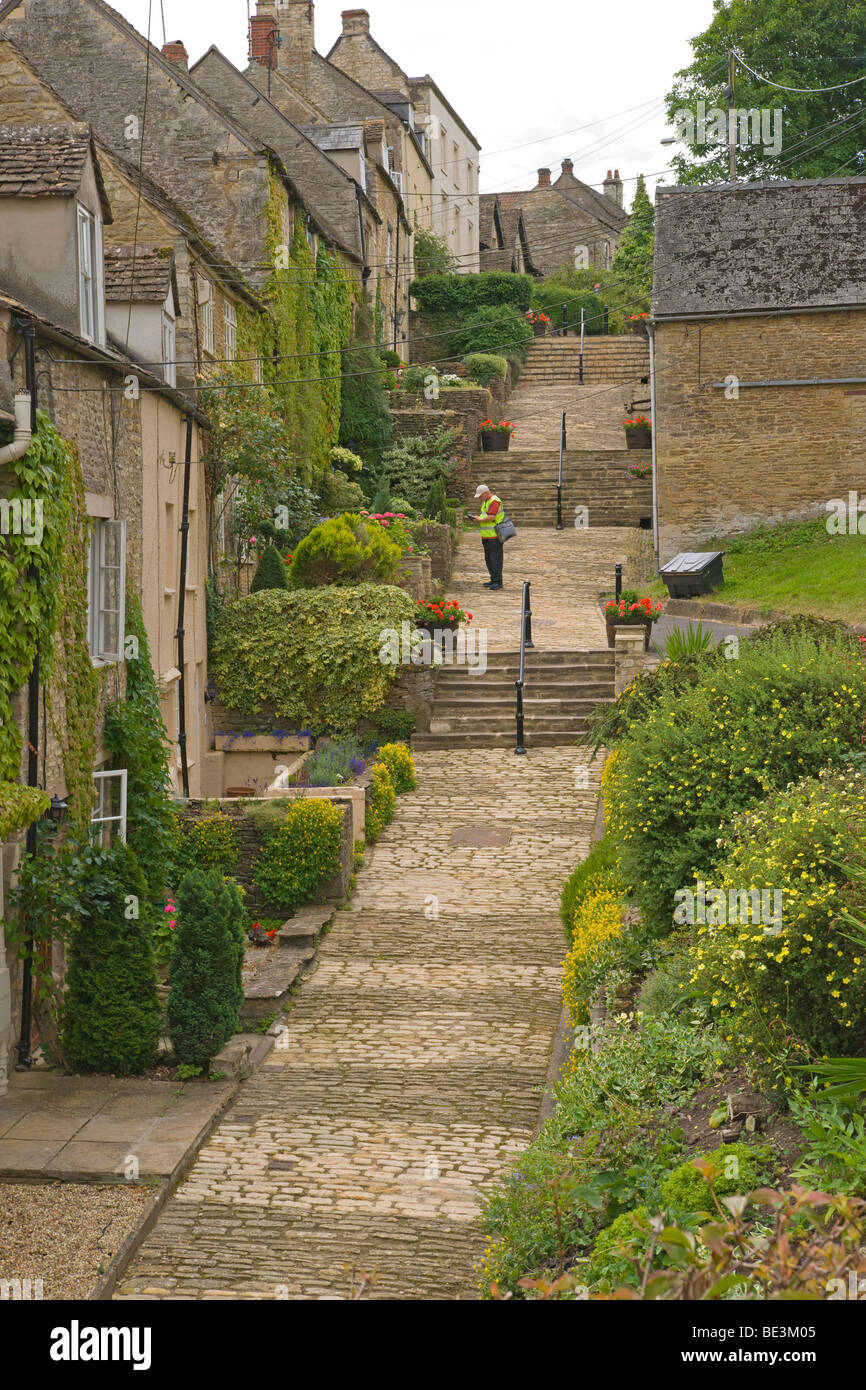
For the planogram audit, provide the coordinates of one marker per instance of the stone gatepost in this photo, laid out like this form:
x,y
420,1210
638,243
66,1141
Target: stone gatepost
x,y
629,653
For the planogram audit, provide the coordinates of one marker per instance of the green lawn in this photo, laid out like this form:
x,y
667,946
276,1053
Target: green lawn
x,y
794,568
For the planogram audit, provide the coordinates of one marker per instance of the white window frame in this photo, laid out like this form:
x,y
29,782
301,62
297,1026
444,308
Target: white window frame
x,y
100,778
99,569
230,331
607,255
91,307
169,349
388,250
205,304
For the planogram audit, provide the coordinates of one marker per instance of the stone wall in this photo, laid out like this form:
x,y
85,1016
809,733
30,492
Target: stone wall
x,y
770,454
251,844
413,691
440,542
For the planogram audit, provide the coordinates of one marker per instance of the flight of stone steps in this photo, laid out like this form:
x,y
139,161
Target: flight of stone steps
x,y
598,480
561,688
617,359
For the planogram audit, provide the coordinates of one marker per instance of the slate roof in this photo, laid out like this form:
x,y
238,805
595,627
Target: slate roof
x,y
759,246
146,280
40,160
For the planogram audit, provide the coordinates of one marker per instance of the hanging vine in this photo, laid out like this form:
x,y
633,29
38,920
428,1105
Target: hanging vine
x,y
76,689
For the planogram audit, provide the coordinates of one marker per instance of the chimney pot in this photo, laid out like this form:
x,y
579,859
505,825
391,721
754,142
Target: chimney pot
x,y
616,173
176,53
567,166
544,178
609,174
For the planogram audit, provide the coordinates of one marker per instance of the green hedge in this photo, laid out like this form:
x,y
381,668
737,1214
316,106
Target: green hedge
x,y
313,655
464,294
550,299
344,550
485,367
499,330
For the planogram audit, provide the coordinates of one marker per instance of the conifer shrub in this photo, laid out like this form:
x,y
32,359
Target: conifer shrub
x,y
206,993
110,1016
435,507
344,550
271,572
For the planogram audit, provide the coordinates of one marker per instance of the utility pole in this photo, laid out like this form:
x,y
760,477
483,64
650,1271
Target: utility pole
x,y
732,122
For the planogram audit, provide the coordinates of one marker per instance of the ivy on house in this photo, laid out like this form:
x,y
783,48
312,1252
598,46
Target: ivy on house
x,y
30,573
137,740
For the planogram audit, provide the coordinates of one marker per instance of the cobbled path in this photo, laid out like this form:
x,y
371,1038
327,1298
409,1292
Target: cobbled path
x,y
416,1053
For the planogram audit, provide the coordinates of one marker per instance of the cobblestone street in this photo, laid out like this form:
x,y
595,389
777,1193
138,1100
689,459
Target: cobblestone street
x,y
415,1056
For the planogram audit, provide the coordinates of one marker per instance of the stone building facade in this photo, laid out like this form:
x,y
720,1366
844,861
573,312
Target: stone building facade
x,y
451,148
759,326
555,224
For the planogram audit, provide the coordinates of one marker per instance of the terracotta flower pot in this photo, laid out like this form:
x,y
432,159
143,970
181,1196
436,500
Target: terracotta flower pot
x,y
495,442
540,329
639,326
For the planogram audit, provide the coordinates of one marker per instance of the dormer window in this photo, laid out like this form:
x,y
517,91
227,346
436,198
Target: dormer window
x,y
90,286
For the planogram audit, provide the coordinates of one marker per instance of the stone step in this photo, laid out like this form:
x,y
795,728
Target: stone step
x,y
269,990
538,656
503,720
536,738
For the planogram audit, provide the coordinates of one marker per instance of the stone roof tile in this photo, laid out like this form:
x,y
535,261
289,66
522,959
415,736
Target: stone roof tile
x,y
146,279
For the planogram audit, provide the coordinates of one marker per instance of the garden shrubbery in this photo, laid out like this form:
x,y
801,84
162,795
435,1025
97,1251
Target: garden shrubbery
x,y
464,294
599,869
499,331
301,851
206,993
485,367
718,744
381,805
312,655
346,549
597,927
397,758
110,1017
414,465
212,842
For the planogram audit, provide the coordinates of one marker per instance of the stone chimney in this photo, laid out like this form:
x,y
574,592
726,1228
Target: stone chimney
x,y
543,178
296,23
613,186
568,168
355,22
263,38
176,53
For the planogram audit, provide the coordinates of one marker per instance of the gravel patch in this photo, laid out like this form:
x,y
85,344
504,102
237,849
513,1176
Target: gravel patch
x,y
65,1234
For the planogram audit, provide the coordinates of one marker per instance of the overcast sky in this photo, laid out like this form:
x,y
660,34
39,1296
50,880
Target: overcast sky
x,y
584,82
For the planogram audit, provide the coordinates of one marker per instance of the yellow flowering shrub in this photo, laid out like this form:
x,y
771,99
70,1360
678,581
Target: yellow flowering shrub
x,y
300,853
801,979
790,704
397,757
598,922
211,842
381,805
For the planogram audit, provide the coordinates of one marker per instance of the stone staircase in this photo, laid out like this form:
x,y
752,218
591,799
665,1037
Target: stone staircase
x,y
478,711
598,479
605,360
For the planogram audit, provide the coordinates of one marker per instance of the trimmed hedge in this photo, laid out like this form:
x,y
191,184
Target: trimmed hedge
x,y
206,992
464,294
313,656
497,330
344,550
485,367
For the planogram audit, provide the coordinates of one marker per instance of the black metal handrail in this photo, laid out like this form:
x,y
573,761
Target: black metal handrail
x,y
525,642
559,484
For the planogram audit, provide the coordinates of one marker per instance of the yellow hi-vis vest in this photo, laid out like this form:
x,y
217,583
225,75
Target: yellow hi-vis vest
x,y
492,518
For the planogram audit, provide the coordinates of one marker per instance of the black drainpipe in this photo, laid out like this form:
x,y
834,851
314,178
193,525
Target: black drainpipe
x,y
181,605
365,273
397,278
27,330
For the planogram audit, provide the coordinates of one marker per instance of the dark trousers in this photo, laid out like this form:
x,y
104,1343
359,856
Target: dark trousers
x,y
493,557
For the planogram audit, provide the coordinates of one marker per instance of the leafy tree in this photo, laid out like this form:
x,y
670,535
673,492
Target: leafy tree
x,y
633,262
271,571
366,426
432,255
796,43
206,993
110,1012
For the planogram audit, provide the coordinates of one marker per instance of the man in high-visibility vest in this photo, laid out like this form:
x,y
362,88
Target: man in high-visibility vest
x,y
490,513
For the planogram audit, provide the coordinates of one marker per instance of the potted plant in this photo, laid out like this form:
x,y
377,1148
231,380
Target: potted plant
x,y
638,432
639,469
539,322
631,611
496,435
440,615
638,324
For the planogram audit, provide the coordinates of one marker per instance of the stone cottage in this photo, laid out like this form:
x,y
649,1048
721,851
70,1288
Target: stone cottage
x,y
566,223
759,326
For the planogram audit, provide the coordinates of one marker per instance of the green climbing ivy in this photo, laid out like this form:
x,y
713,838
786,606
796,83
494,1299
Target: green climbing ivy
x,y
20,807
30,594
76,690
137,740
